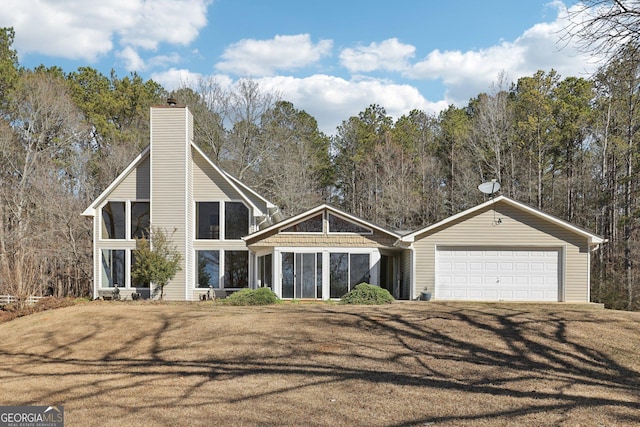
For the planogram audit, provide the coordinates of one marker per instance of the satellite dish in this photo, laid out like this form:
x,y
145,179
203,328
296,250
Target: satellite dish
x,y
489,187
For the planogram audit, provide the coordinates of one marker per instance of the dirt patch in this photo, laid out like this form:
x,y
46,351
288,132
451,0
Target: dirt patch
x,y
404,364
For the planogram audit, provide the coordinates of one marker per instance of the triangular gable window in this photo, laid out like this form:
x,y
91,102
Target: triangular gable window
x,y
311,225
341,225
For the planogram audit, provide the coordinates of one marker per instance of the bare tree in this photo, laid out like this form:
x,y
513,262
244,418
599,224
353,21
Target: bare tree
x,y
604,27
45,127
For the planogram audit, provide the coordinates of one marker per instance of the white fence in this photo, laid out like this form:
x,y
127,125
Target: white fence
x,y
9,299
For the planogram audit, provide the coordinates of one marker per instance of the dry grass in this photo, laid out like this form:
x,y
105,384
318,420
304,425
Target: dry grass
x,y
406,364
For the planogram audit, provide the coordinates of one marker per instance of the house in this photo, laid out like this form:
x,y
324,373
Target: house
x,y
232,238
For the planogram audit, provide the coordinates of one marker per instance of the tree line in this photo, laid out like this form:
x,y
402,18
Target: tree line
x,y
566,145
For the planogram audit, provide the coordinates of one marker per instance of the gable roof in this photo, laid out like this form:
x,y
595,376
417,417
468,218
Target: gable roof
x,y
592,238
236,184
314,211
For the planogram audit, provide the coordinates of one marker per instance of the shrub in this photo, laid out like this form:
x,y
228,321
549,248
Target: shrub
x,y
367,294
260,296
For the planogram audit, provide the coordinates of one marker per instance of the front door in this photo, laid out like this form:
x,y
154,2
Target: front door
x,y
302,275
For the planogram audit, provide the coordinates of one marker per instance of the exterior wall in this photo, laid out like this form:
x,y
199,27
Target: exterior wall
x,y
517,228
171,133
134,187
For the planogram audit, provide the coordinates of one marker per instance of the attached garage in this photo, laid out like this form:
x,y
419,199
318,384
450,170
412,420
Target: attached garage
x,y
497,274
500,250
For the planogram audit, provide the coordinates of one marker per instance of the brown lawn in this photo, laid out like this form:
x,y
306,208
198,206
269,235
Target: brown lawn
x,y
406,364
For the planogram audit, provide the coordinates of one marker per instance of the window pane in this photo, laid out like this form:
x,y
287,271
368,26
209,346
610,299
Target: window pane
x,y
208,269
359,270
140,216
339,225
287,275
319,275
236,269
113,220
236,220
113,268
208,220
133,264
308,273
311,225
339,274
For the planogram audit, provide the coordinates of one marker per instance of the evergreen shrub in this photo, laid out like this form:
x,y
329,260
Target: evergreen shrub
x,y
260,296
367,294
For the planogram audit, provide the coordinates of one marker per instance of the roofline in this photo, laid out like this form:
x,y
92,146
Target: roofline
x,y
91,210
248,189
317,209
593,239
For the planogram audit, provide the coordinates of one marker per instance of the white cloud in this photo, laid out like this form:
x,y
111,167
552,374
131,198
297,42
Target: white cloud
x,y
77,29
388,55
466,74
332,99
263,57
131,59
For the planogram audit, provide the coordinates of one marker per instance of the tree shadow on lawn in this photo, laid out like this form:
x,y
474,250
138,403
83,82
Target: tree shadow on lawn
x,y
503,364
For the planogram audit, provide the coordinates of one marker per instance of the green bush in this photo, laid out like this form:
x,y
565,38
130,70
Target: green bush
x,y
260,296
367,294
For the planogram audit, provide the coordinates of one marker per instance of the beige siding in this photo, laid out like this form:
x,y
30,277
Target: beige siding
x,y
190,220
135,186
209,184
517,228
170,135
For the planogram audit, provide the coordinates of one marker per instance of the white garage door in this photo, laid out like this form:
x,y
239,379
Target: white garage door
x,y
494,275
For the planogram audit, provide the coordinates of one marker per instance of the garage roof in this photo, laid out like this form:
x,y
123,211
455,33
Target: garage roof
x,y
593,239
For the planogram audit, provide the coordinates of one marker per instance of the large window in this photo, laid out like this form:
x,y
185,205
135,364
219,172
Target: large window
x,y
114,220
140,220
116,226
208,220
113,268
346,272
208,269
135,284
236,269
236,220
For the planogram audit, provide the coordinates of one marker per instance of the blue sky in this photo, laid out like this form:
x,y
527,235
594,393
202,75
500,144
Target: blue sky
x,y
330,58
